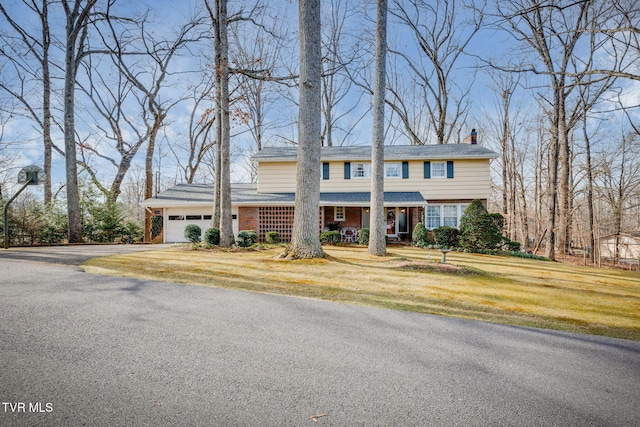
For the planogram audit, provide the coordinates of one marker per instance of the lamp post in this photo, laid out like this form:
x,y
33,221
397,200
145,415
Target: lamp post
x,y
30,175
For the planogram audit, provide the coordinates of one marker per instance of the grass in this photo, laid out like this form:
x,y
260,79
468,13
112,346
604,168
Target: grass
x,y
482,287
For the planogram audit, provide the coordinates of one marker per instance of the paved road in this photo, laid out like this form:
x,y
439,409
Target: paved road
x,y
78,349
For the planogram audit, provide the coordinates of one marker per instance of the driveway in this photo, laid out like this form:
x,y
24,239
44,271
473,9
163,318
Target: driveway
x,y
81,349
72,254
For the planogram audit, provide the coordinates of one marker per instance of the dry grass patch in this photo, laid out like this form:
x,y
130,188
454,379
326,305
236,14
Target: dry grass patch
x,y
491,288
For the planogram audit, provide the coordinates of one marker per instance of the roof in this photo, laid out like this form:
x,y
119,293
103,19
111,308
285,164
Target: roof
x,y
391,152
247,195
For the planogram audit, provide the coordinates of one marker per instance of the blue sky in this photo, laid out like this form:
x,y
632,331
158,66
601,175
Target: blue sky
x,y
167,15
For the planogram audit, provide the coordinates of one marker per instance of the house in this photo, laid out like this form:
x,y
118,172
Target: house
x,y
624,247
423,183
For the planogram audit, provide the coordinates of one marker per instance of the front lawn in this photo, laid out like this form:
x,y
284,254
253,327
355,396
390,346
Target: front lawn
x,y
483,287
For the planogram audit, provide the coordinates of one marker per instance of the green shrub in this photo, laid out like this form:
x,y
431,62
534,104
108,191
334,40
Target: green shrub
x,y
272,237
511,246
156,226
420,235
446,237
330,237
131,232
247,238
212,237
192,233
478,230
363,236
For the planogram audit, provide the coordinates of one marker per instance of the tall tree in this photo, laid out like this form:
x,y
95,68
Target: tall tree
x,y
442,31
78,14
305,238
377,234
37,47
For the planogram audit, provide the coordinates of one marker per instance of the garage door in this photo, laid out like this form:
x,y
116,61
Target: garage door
x,y
175,225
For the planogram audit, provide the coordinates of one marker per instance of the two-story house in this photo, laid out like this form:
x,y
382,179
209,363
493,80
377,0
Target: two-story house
x,y
423,183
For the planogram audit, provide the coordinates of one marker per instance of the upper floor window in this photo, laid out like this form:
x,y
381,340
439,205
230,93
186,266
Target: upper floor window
x,y
438,169
392,170
360,170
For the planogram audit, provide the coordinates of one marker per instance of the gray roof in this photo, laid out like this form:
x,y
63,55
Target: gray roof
x,y
391,152
247,195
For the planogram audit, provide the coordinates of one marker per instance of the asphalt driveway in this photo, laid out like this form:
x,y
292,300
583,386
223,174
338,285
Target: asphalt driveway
x,y
81,349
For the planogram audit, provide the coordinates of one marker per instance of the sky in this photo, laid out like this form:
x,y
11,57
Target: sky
x,y
168,15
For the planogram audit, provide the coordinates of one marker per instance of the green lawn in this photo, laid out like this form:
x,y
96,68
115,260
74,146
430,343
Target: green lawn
x,y
491,288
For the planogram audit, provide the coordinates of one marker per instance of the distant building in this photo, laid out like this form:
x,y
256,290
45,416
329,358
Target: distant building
x,y
624,247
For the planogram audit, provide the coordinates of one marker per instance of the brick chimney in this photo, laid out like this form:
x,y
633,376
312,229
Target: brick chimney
x,y
471,139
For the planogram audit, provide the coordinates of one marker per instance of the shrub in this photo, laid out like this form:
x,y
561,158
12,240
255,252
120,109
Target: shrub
x,y
192,233
247,238
420,235
156,226
131,232
272,237
363,236
478,230
212,237
511,246
330,237
446,237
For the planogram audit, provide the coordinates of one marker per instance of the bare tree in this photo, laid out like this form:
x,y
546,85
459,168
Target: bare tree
x,y
305,240
377,235
442,31
18,50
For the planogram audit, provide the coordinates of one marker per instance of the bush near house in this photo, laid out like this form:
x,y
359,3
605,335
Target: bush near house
x,y
478,229
156,226
420,236
272,237
192,233
330,237
212,237
446,237
247,238
363,236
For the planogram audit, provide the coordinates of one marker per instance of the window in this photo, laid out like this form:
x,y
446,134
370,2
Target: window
x,y
438,170
392,170
206,217
450,215
325,171
194,217
176,217
361,170
433,216
444,215
338,214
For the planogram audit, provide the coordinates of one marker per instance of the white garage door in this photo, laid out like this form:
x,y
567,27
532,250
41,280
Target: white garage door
x,y
177,222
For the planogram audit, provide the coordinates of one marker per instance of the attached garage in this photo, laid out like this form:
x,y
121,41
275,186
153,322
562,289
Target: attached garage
x,y
177,219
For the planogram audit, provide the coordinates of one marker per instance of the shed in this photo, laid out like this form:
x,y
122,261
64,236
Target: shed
x,y
628,246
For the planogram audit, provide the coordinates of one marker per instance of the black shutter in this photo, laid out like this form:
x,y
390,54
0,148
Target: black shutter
x,y
325,171
450,169
347,170
405,170
427,170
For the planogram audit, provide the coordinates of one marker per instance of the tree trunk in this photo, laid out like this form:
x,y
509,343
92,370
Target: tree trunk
x,y
552,195
224,184
305,238
377,234
76,33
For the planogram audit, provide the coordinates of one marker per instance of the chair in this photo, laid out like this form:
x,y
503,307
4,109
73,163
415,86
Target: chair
x,y
349,235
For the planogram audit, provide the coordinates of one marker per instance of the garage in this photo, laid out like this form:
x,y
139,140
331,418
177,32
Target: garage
x,y
177,219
